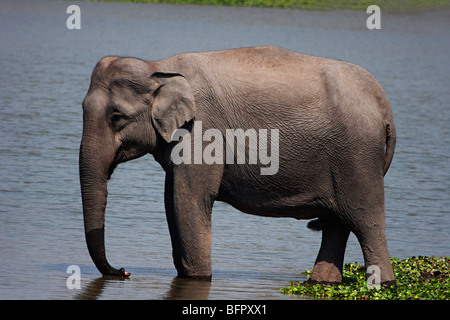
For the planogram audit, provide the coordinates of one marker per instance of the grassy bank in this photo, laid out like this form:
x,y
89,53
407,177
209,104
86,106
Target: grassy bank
x,y
418,278
385,5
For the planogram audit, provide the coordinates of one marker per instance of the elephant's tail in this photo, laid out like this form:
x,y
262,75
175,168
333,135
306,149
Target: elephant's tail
x,y
391,139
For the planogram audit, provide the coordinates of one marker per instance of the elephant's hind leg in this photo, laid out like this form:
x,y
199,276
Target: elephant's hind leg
x,y
372,238
330,260
364,214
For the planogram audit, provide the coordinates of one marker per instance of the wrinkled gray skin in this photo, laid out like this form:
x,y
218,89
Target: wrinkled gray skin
x,y
337,139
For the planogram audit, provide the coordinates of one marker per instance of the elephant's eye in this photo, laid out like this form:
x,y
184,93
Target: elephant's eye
x,y
118,120
116,116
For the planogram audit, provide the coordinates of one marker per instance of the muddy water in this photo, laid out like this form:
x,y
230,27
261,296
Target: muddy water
x,y
45,70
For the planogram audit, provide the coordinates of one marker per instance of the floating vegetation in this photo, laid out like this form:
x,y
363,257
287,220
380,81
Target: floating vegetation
x,y
418,278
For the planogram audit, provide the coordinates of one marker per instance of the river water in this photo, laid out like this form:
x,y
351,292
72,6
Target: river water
x,y
45,71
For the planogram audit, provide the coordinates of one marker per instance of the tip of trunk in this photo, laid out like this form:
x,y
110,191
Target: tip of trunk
x,y
96,246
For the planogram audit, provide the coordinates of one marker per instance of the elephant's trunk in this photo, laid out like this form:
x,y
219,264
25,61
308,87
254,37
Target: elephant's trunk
x,y
94,164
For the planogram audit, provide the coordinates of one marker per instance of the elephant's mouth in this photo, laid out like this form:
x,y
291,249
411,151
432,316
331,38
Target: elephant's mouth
x,y
115,162
126,153
111,169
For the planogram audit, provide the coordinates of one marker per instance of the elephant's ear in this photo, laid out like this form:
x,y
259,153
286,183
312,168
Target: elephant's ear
x,y
173,103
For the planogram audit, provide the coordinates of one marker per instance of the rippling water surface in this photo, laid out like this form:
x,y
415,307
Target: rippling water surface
x,y
45,70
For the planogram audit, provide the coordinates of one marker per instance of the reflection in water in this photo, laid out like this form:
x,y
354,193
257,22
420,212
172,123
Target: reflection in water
x,y
180,289
185,289
93,289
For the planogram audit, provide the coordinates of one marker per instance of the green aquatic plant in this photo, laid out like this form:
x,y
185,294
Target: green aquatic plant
x,y
388,5
418,278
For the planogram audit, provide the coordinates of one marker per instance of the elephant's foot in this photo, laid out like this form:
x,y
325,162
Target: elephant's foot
x,y
203,274
325,273
195,277
389,283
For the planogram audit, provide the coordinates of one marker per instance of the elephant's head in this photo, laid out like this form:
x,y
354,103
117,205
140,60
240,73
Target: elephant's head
x,y
131,109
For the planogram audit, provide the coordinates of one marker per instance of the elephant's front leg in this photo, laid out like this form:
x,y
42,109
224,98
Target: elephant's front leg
x,y
188,210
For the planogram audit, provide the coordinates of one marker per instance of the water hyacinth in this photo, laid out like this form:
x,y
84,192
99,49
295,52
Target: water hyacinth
x,y
418,278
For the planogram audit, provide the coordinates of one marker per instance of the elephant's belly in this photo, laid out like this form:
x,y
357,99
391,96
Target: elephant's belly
x,y
298,207
302,193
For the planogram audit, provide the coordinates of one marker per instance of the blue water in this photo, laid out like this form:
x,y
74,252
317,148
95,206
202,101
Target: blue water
x,y
45,71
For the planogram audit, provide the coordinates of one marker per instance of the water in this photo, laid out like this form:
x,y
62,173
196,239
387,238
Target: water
x,y
45,70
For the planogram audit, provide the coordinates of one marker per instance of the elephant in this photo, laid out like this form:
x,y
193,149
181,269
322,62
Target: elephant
x,y
335,142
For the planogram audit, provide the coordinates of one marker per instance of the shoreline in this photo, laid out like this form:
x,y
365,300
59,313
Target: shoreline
x,y
402,6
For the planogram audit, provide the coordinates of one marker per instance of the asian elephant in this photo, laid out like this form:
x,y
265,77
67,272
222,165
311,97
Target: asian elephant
x,y
331,122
